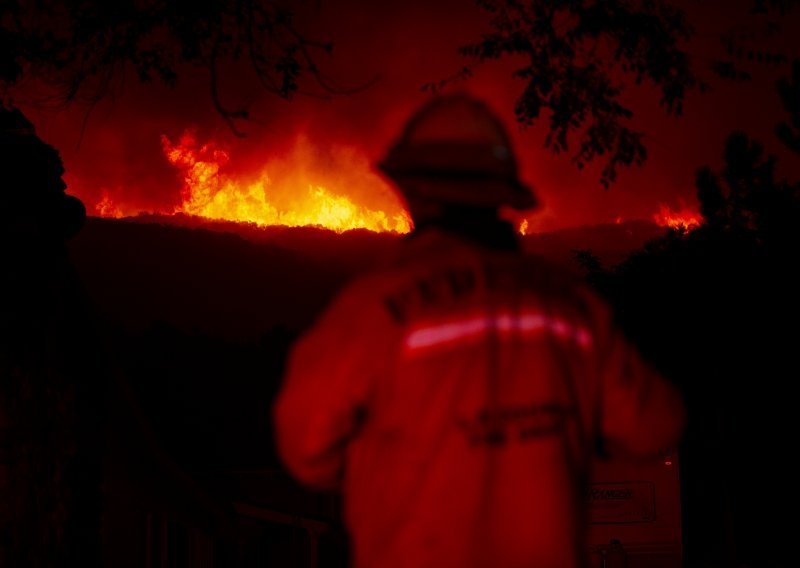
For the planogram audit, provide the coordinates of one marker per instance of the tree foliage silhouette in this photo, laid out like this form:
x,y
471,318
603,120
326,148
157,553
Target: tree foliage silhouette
x,y
574,53
580,55
788,131
745,195
80,48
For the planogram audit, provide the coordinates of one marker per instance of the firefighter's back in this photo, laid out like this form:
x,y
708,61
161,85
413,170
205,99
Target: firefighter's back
x,y
476,441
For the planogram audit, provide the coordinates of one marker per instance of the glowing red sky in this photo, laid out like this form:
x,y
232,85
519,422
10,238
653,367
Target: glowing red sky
x,y
404,43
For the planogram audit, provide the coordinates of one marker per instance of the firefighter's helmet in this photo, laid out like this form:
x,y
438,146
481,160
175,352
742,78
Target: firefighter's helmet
x,y
456,150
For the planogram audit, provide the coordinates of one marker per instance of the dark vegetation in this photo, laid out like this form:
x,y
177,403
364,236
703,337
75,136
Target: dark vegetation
x,y
717,308
81,49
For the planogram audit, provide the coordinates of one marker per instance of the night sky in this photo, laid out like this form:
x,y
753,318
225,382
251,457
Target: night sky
x,y
395,47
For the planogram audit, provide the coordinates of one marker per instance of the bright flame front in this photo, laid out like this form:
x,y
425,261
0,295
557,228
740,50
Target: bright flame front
x,y
292,190
684,220
295,195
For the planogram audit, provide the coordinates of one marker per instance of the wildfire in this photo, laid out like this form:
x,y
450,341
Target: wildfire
x,y
684,220
293,190
106,206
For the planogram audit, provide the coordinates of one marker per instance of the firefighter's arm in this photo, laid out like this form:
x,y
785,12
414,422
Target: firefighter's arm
x,y
323,398
641,412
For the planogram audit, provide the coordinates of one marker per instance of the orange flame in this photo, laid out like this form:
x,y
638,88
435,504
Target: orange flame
x,y
106,207
684,220
291,191
334,188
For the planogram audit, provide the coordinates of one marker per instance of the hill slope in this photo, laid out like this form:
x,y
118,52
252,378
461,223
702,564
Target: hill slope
x,y
239,281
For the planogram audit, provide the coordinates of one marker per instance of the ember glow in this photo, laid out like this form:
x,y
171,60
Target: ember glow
x,y
291,190
683,220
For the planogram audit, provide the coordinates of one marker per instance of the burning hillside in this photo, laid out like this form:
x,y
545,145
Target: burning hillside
x,y
338,191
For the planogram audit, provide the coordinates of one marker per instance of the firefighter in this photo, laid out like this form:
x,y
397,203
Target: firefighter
x,y
457,393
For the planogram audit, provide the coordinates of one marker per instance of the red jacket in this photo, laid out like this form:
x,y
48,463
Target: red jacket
x,y
456,397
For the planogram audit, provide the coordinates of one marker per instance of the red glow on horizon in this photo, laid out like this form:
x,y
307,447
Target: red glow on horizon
x,y
333,187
